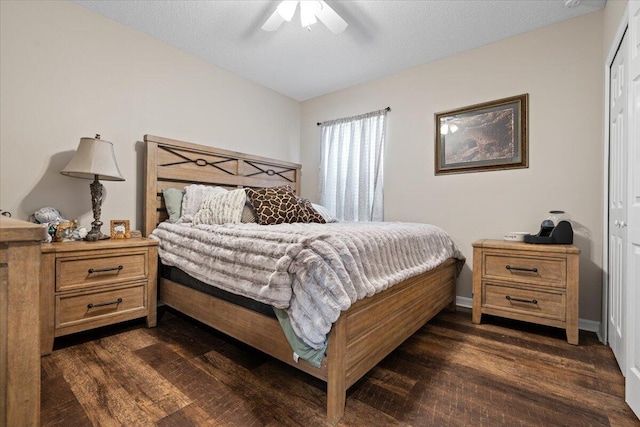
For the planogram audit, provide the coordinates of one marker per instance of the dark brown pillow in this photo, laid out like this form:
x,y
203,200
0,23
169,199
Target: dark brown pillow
x,y
274,205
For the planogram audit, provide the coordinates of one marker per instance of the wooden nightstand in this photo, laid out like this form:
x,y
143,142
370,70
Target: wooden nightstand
x,y
85,285
522,281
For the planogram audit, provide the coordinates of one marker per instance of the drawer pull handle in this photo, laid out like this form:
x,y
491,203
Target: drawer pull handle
x,y
102,270
528,301
102,304
533,270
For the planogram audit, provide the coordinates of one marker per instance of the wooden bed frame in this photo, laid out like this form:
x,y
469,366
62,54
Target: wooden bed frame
x,y
362,336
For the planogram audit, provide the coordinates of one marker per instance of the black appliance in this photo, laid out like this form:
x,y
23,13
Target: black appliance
x,y
550,234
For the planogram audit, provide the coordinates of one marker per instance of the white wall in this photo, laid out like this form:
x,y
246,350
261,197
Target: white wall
x,y
67,72
560,67
613,11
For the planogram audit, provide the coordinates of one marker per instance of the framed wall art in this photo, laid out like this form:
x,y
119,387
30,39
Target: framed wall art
x,y
120,229
488,136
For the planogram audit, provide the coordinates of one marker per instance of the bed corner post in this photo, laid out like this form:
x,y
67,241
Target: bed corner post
x,y
298,183
149,208
337,373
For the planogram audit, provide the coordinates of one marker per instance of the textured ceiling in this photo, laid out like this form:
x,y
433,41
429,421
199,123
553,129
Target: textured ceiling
x,y
383,37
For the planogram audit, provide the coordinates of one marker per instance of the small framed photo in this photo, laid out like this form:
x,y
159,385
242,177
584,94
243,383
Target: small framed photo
x,y
120,229
483,137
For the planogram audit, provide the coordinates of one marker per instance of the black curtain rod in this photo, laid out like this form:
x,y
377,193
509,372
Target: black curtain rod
x,y
387,109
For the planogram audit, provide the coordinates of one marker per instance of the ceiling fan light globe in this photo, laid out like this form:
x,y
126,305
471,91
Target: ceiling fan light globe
x,y
287,9
308,10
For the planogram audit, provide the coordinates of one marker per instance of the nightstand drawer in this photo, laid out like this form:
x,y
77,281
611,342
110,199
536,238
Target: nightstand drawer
x,y
124,303
550,305
116,268
537,271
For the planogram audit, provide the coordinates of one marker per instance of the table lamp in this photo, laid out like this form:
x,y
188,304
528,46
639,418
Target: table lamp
x,y
94,159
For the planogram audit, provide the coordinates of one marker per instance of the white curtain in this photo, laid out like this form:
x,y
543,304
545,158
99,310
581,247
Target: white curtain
x,y
351,166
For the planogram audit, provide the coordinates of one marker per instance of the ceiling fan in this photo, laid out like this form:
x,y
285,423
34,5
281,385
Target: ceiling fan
x,y
309,11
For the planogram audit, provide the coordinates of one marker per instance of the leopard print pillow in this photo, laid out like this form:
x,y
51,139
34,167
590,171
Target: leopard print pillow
x,y
274,205
306,212
277,205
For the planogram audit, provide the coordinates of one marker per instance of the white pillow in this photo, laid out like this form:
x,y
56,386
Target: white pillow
x,y
221,208
324,213
194,195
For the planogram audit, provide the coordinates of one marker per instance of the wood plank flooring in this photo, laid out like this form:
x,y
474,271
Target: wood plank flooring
x,y
450,373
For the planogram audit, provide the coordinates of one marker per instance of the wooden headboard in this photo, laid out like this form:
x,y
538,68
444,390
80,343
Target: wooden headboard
x,y
172,163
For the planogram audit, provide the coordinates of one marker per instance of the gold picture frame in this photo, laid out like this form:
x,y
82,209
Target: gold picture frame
x,y
120,229
488,136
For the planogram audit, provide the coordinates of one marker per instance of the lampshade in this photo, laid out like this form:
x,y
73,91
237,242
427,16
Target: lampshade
x,y
94,156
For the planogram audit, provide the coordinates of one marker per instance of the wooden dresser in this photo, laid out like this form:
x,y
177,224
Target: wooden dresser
x,y
85,285
19,322
522,281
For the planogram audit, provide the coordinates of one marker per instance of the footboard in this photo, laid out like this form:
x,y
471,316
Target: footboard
x,y
373,327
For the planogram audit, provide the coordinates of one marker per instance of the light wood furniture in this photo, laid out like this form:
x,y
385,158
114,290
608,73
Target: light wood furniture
x,y
85,285
359,339
522,281
19,322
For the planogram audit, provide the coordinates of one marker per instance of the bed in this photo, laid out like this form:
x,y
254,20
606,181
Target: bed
x,y
362,335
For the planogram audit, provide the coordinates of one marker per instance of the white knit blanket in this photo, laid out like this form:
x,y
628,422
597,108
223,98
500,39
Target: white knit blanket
x,y
313,271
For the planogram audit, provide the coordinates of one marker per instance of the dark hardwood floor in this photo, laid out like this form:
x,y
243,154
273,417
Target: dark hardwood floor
x,y
450,373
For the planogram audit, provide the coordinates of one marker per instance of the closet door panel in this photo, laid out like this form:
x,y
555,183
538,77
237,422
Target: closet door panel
x,y
633,216
618,171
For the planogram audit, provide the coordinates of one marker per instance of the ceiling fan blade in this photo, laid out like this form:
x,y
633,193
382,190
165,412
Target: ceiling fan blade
x,y
274,22
331,19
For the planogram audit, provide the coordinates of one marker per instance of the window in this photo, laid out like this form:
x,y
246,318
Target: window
x,y
351,166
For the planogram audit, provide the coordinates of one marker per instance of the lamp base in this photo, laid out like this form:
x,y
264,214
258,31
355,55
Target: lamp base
x,y
95,234
96,203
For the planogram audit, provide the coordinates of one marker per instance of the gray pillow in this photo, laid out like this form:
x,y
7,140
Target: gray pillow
x,y
173,203
248,214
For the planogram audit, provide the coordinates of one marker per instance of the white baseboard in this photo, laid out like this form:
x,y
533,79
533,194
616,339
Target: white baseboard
x,y
464,302
584,324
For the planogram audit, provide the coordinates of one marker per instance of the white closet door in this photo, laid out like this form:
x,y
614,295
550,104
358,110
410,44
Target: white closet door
x,y
633,236
618,134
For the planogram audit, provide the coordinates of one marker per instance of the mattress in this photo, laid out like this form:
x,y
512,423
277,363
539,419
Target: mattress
x,y
178,276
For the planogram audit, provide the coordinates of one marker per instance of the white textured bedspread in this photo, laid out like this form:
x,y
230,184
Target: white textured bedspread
x,y
313,271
